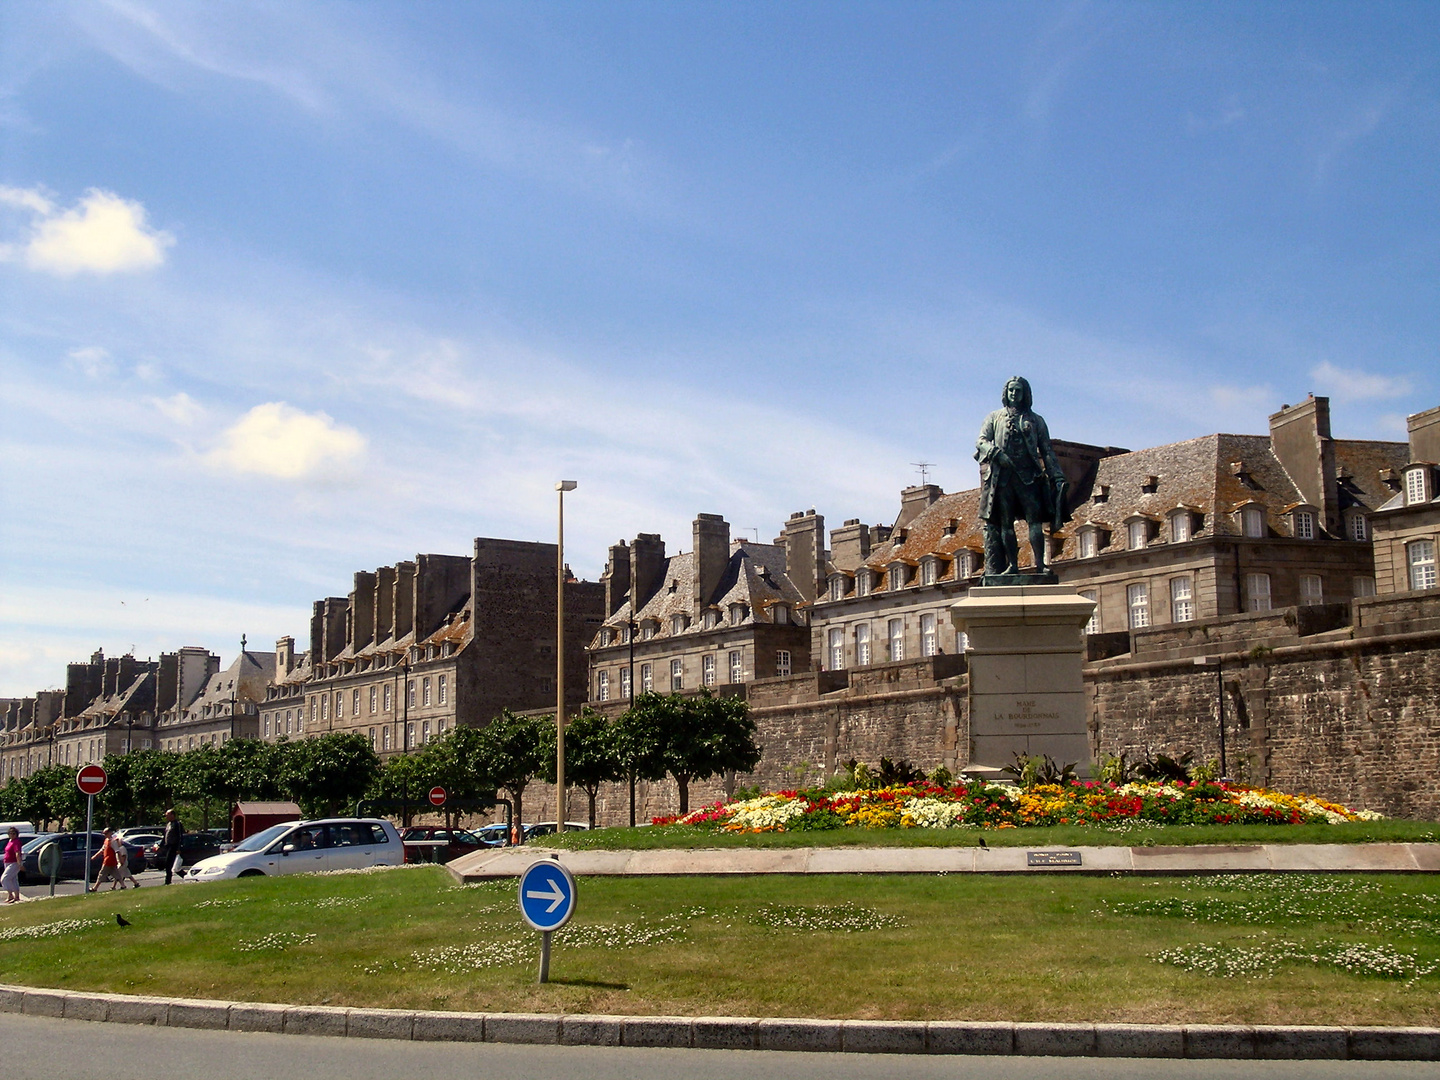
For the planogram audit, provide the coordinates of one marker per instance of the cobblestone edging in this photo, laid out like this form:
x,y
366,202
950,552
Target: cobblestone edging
x,y
744,1033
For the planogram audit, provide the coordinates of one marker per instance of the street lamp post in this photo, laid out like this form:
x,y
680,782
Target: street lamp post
x,y
560,488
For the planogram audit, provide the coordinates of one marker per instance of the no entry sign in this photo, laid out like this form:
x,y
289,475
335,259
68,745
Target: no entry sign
x,y
437,796
91,779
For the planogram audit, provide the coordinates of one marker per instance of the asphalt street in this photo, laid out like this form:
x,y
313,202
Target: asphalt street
x,y
73,888
39,1048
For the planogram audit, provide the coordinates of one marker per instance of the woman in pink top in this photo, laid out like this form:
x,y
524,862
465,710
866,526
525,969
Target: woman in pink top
x,y
10,879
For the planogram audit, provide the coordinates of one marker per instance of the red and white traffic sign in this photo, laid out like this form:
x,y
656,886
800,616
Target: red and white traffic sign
x,y
91,779
437,796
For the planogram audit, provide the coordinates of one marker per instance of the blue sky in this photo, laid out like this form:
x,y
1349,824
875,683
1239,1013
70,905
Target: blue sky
x,y
289,290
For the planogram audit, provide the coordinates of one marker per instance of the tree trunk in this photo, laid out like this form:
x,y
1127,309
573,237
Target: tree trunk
x,y
632,798
519,818
591,794
683,782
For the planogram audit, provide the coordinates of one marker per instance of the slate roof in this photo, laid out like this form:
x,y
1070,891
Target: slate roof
x,y
244,680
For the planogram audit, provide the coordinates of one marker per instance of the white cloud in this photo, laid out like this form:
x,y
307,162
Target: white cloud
x,y
101,234
278,440
94,361
1358,385
179,408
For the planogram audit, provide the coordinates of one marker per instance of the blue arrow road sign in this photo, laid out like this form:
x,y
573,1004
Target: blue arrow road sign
x,y
547,895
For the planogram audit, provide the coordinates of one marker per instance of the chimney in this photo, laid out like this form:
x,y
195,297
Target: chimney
x,y
362,610
284,657
647,567
616,577
403,606
167,682
850,544
914,500
1300,438
804,538
384,603
712,555
1425,436
442,582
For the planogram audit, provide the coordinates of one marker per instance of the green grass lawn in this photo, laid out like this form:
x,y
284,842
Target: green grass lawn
x,y
1263,948
1128,835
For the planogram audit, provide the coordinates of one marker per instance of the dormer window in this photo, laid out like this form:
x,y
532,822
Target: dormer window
x,y
712,619
1102,493
1182,527
1151,484
1137,534
1252,522
1089,542
780,613
1303,524
1358,528
1418,486
862,582
737,614
677,624
929,571
648,629
964,565
606,636
837,587
899,575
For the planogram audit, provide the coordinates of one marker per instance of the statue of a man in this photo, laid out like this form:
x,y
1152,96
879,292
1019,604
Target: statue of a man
x,y
1019,478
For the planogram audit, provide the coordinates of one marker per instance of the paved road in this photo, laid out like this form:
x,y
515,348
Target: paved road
x,y
72,888
37,1048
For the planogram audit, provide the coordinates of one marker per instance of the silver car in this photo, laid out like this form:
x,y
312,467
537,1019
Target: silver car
x,y
306,847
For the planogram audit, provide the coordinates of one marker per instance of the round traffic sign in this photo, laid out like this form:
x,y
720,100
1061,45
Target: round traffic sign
x,y
547,895
437,796
91,779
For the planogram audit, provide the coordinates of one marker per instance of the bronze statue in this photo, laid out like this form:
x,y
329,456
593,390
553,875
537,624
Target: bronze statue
x,y
1019,478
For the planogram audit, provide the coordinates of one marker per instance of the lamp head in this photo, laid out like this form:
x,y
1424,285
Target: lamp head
x,y
566,485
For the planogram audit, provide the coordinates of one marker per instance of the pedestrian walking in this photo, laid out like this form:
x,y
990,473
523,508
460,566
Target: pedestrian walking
x,y
122,863
108,864
174,838
10,879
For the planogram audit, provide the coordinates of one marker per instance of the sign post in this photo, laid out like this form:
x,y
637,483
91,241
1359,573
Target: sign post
x,y
547,900
91,780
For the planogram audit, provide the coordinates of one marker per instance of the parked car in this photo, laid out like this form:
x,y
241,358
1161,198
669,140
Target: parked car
x,y
497,835
435,843
141,840
193,847
298,847
72,857
131,833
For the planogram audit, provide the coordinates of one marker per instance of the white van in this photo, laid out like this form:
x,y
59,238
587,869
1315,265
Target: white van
x,y
300,847
26,829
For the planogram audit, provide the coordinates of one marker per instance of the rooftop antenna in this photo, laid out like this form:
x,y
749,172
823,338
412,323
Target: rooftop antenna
x,y
756,531
924,468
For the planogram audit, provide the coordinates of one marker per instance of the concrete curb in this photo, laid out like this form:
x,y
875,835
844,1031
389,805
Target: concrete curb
x,y
952,1037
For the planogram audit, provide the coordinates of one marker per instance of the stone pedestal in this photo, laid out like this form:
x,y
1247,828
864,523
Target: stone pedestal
x,y
1027,690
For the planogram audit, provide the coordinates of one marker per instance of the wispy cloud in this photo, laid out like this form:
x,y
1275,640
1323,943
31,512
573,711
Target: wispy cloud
x,y
101,234
1353,385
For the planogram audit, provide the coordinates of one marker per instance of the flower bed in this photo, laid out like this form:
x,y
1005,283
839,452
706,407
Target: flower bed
x,y
982,805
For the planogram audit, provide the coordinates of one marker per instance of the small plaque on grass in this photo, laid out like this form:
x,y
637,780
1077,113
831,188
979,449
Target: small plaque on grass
x,y
1052,858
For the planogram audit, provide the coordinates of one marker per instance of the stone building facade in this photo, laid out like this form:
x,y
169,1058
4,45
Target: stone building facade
x,y
224,705
1407,527
420,647
719,616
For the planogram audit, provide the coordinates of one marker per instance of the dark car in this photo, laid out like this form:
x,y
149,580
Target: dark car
x,y
435,843
194,847
72,857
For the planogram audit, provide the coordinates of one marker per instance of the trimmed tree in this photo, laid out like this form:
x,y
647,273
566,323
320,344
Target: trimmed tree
x,y
512,752
706,736
640,741
591,756
329,772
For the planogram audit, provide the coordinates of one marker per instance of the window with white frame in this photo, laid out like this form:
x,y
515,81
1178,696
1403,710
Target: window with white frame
x,y
707,669
677,675
1180,527
1252,522
837,587
1312,591
355,702
1363,586
1089,543
965,565
441,690
1304,525
929,640
624,684
737,667
647,678
862,582
373,745
780,613
737,614
837,649
647,630
712,620
385,738
1138,532
1182,600
1093,626
410,693
782,662
1359,528
896,634
898,575
424,732
425,690
374,698
267,725
324,707
928,572
1257,592
1420,556
1416,486
602,686
862,645
1137,597
385,697
677,624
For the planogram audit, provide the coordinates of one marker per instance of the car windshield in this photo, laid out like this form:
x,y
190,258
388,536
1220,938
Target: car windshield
x,y
39,842
262,839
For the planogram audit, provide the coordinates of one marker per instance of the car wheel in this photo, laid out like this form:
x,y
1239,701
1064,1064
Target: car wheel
x,y
252,873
